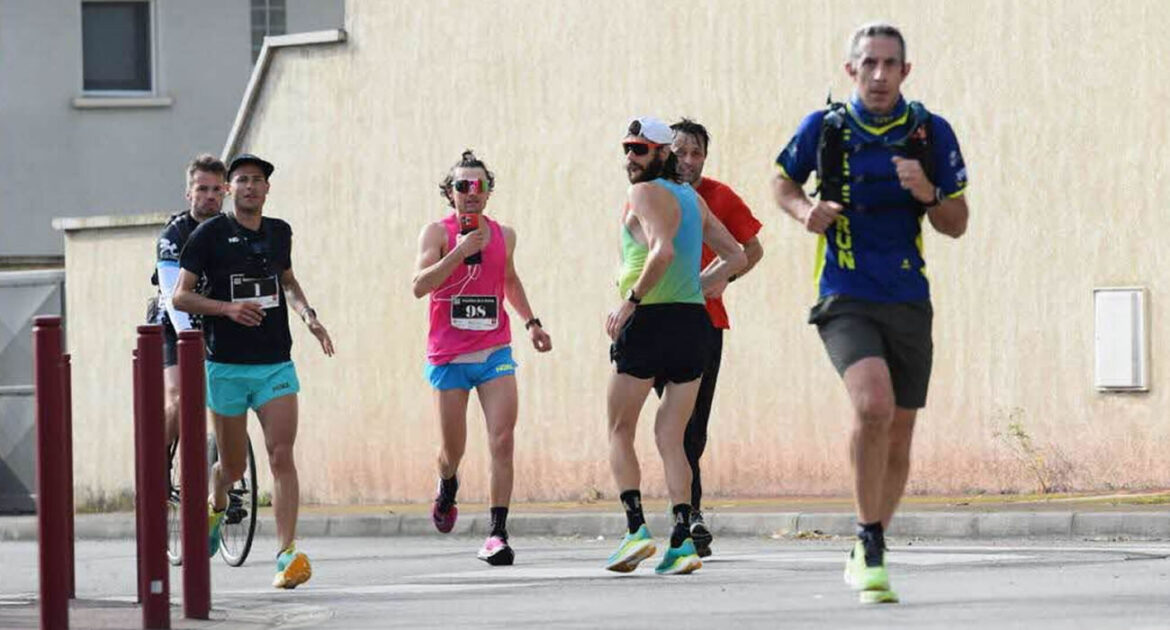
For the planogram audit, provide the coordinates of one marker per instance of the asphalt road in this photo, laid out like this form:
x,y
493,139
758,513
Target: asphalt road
x,y
436,582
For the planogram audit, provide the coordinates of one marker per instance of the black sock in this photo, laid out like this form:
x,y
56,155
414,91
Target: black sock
x,y
682,524
500,522
874,540
632,501
447,490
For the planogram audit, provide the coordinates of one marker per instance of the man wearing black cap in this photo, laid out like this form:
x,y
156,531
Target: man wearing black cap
x,y
246,258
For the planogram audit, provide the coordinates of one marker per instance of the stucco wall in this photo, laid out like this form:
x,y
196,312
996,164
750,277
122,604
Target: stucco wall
x,y
1053,102
107,273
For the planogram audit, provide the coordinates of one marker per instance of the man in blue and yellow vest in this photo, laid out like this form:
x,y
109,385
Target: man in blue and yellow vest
x,y
882,164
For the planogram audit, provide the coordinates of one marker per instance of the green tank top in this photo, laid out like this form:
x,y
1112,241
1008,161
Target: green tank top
x,y
680,283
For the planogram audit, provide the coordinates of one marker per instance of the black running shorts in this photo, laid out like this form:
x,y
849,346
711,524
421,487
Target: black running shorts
x,y
898,332
663,341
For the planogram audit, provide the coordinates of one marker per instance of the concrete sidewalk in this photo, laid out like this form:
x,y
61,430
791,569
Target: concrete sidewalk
x,y
1112,516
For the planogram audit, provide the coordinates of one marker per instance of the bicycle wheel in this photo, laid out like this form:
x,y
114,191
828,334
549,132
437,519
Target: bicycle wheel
x,y
174,516
239,524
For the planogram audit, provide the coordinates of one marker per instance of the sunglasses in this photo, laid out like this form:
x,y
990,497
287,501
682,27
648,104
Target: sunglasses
x,y
471,185
638,148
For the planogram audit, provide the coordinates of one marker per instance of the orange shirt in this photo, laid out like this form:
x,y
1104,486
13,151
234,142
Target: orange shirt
x,y
737,217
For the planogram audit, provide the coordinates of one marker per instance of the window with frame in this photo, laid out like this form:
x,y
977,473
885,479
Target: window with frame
x,y
116,46
268,18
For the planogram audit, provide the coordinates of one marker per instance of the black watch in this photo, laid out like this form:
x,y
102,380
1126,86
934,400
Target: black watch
x,y
308,313
938,197
535,321
632,297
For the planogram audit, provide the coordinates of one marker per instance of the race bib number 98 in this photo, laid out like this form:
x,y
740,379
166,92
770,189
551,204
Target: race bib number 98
x,y
475,312
262,291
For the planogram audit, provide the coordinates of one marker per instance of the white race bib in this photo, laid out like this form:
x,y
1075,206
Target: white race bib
x,y
262,291
475,312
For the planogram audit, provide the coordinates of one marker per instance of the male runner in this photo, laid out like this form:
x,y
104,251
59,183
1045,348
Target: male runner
x,y
691,141
466,265
206,186
659,331
247,259
883,163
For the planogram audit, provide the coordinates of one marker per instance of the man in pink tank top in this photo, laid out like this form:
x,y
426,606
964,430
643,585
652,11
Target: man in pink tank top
x,y
465,265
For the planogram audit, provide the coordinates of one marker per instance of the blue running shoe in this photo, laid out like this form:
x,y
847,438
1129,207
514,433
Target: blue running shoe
x,y
214,520
680,560
635,548
292,568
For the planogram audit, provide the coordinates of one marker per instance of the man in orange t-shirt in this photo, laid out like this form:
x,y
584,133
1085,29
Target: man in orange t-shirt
x,y
690,146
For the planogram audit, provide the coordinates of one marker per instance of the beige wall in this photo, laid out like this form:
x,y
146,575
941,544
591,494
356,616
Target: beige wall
x,y
1055,104
107,272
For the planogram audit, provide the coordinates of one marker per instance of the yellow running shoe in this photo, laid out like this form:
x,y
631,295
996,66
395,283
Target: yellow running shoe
x,y
292,568
872,581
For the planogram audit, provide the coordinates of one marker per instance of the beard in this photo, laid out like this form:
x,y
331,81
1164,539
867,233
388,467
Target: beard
x,y
653,171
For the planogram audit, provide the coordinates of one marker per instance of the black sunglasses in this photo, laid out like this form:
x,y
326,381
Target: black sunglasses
x,y
639,148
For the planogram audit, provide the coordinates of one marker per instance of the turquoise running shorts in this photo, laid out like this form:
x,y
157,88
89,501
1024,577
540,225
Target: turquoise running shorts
x,y
233,388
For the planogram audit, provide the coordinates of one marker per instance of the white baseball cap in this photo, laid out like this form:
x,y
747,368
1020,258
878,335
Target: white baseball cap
x,y
652,129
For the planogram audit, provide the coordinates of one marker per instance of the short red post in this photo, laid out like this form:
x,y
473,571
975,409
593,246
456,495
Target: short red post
x,y
138,511
154,571
51,526
67,443
193,476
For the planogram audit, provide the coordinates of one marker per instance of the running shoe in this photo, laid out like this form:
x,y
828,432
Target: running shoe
x,y
496,552
444,512
872,581
292,568
635,548
679,560
214,521
701,535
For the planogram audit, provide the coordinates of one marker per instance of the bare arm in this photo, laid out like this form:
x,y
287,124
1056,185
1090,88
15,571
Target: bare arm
x,y
754,252
650,204
514,292
790,196
186,299
294,296
433,268
950,216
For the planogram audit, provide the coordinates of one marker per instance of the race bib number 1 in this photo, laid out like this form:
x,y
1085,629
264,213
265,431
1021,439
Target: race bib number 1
x,y
475,312
262,291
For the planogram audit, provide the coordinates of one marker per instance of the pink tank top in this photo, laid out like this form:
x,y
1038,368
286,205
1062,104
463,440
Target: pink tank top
x,y
467,310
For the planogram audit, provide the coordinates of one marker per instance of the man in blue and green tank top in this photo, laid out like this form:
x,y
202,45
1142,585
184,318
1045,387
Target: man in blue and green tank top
x,y
882,165
659,332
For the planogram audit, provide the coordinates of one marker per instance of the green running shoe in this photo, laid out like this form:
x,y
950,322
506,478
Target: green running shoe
x,y
214,520
680,560
873,582
635,548
292,568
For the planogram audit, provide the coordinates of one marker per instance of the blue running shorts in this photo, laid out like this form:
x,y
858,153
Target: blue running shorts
x,y
471,375
233,388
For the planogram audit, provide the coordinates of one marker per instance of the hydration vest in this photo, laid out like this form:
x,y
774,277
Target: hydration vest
x,y
832,169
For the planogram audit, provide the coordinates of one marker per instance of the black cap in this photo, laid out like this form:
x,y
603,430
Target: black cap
x,y
248,158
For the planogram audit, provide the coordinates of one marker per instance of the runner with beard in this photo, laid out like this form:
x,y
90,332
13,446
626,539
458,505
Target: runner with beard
x,y
659,332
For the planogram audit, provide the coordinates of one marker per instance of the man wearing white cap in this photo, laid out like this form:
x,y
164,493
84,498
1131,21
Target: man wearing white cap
x,y
658,332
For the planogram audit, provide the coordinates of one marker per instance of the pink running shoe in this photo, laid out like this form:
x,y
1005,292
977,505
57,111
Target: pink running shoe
x,y
444,514
496,552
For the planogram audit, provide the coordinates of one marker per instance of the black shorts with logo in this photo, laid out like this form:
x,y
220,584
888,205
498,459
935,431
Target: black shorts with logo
x,y
899,332
663,341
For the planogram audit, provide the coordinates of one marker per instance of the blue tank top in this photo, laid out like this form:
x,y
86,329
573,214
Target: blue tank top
x,y
680,283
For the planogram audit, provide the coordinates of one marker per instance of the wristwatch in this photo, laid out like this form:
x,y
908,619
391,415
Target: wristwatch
x,y
535,321
632,297
938,197
308,313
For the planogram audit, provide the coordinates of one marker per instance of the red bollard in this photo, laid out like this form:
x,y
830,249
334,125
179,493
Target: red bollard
x,y
193,475
67,443
138,509
51,527
154,571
